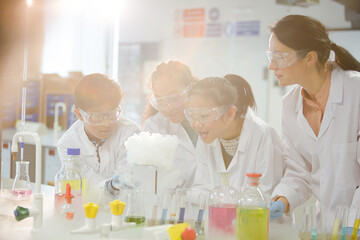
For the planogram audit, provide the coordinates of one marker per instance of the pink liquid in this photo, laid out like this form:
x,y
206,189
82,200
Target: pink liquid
x,y
22,192
222,219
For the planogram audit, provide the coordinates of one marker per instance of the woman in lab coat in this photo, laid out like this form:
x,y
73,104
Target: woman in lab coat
x,y
233,139
165,115
320,117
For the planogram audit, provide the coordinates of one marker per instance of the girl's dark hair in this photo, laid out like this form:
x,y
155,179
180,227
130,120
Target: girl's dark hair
x,y
171,70
232,89
305,33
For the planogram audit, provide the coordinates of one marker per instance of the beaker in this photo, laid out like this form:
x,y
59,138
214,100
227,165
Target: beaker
x,y
135,207
21,186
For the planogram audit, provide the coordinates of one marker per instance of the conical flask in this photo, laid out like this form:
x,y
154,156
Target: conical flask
x,y
21,186
252,219
135,207
222,209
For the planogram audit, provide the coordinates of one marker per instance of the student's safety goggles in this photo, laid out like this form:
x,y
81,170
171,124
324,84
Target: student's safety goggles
x,y
205,115
170,101
284,59
97,118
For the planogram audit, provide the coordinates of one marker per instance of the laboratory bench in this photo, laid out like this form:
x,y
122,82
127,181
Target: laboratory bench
x,y
53,228
50,159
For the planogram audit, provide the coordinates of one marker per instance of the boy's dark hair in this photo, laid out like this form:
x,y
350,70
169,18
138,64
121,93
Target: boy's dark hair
x,y
95,89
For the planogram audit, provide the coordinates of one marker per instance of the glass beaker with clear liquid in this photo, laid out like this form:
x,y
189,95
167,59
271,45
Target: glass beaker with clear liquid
x,y
222,208
21,186
135,207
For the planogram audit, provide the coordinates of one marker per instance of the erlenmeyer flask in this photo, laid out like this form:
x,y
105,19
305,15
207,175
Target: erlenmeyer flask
x,y
21,186
135,207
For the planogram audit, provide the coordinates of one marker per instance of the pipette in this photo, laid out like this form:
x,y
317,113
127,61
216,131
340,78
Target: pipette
x,y
356,225
336,223
344,222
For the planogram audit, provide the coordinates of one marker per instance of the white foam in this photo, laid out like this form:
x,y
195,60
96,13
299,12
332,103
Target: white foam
x,y
152,149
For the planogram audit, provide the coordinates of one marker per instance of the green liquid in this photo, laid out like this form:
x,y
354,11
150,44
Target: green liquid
x,y
136,219
252,223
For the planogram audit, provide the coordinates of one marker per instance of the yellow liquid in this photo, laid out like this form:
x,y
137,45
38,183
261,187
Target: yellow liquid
x,y
252,223
355,229
75,185
335,229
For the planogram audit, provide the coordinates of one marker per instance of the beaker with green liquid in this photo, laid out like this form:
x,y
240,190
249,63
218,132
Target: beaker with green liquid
x,y
135,207
252,213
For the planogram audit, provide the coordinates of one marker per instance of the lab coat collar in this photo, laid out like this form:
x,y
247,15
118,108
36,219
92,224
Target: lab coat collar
x,y
247,128
335,96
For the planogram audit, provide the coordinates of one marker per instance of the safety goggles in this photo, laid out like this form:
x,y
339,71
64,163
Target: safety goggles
x,y
97,118
174,100
205,115
284,59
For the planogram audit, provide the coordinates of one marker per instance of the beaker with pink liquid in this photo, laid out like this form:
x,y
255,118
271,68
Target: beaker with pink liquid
x,y
222,208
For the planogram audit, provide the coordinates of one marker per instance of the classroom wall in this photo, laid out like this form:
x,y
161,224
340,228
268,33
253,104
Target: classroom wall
x,y
156,21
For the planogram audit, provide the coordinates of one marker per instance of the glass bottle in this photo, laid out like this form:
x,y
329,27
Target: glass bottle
x,y
135,209
222,209
21,186
252,214
68,174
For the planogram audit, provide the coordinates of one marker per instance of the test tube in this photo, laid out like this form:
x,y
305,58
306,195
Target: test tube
x,y
202,202
306,224
344,221
165,206
336,225
356,225
314,234
182,194
174,206
154,211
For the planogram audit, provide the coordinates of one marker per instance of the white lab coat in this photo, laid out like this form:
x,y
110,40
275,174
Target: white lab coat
x,y
181,175
259,151
327,165
112,152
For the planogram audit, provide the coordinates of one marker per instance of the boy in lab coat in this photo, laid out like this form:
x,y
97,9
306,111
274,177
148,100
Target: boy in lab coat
x,y
100,131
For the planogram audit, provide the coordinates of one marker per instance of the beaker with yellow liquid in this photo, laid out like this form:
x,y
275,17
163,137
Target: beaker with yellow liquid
x,y
252,213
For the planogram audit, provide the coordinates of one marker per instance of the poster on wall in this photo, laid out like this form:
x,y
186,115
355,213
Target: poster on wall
x,y
203,22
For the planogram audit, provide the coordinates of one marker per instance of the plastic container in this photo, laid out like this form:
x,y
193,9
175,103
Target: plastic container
x,y
252,214
68,174
222,209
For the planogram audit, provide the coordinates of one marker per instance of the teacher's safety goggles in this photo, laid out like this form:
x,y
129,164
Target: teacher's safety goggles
x,y
205,115
97,118
284,59
173,100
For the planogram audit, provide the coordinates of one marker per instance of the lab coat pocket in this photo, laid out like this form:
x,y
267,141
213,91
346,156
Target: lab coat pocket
x,y
346,168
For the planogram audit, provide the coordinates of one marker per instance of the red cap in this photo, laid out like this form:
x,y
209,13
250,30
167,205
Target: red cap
x,y
68,195
253,175
188,234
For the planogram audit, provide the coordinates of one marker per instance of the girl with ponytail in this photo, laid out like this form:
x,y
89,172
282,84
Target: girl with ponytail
x,y
233,138
320,117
